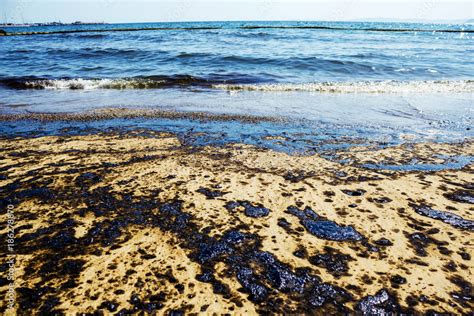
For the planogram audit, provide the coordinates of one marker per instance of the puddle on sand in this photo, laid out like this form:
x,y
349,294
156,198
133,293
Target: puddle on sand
x,y
454,162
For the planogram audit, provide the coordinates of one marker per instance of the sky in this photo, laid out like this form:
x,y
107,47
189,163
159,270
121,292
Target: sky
x,y
114,11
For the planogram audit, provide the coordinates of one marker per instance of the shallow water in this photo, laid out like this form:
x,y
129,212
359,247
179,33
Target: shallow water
x,y
455,162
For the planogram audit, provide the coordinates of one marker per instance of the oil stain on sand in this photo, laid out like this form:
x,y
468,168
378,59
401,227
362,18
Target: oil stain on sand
x,y
127,223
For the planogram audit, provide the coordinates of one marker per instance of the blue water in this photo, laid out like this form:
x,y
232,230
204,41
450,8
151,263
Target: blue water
x,y
233,54
413,79
450,162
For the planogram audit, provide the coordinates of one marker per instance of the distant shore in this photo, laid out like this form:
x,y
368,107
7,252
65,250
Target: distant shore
x,y
49,24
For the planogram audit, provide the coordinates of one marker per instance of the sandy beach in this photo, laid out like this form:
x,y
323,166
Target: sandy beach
x,y
141,222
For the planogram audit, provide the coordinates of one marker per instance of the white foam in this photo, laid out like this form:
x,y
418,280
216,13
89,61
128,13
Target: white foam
x,y
460,86
92,84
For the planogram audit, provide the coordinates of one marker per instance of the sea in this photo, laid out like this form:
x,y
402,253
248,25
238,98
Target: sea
x,y
386,80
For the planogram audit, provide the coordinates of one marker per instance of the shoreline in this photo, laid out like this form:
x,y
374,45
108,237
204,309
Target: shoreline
x,y
292,136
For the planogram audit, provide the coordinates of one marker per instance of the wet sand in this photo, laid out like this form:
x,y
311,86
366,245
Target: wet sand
x,y
131,222
125,113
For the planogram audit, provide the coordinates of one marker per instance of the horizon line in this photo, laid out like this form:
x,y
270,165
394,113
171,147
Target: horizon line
x,y
362,20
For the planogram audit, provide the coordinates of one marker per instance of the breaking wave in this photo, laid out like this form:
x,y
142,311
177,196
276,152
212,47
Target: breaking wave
x,y
239,83
458,86
149,82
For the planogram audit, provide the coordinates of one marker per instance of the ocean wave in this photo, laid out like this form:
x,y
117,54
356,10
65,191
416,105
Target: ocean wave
x,y
92,36
93,84
95,51
185,55
238,82
254,35
458,86
248,27
306,63
149,82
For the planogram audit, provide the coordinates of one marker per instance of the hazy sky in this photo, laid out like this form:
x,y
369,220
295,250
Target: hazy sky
x,y
19,11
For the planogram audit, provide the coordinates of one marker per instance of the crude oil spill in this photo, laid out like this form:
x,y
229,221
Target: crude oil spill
x,y
324,228
381,303
334,262
144,233
358,192
210,194
421,241
380,200
447,217
295,176
465,292
250,210
397,280
383,242
307,289
88,178
461,196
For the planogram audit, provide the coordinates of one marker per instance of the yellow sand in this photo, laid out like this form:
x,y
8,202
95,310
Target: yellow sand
x,y
249,174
